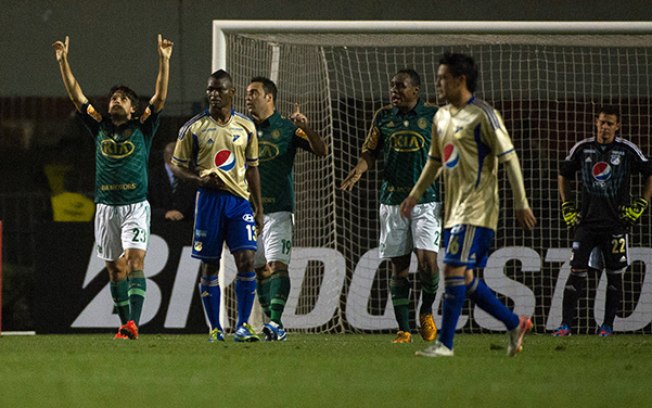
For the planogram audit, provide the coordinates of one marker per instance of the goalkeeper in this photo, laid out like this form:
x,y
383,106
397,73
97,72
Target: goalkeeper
x,y
605,163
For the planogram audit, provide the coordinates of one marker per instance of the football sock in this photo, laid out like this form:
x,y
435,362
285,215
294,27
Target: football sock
x,y
480,293
429,285
614,289
454,297
245,293
210,294
137,289
572,292
400,289
264,294
120,295
279,289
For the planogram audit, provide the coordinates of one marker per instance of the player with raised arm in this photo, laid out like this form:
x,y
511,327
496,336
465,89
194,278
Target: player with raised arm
x,y
606,163
122,145
218,151
469,140
279,139
402,132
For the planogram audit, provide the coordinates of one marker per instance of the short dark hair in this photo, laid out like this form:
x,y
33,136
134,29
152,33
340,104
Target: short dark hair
x,y
221,74
610,110
462,64
128,92
268,85
414,76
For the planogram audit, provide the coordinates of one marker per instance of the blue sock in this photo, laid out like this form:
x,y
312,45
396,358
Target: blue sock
x,y
245,293
454,297
209,290
480,293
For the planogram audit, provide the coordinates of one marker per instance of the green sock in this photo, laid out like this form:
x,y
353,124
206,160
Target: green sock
x,y
279,289
400,289
137,289
120,295
263,295
429,285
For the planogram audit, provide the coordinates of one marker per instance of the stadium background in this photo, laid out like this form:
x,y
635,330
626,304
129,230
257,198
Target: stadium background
x,y
36,130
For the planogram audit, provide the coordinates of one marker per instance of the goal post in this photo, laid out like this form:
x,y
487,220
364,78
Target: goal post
x,y
546,78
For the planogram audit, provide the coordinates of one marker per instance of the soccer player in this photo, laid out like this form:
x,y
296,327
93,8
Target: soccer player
x,y
279,139
606,164
469,140
402,131
122,145
218,151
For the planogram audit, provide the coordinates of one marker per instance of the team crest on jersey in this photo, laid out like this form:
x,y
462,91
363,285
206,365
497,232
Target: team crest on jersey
x,y
225,160
267,151
601,171
406,141
422,123
615,159
451,156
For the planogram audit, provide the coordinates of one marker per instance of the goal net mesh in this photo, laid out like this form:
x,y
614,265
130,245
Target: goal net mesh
x,y
548,89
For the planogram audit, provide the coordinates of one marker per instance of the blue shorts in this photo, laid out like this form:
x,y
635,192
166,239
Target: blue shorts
x,y
467,245
221,216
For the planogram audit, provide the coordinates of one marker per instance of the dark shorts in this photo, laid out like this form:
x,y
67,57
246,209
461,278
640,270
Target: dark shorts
x,y
219,217
612,244
467,245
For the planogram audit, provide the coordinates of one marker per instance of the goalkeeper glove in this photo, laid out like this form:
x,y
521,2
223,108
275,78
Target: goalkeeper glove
x,y
631,213
570,214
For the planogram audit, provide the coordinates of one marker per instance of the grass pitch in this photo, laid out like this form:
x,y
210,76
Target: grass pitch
x,y
323,371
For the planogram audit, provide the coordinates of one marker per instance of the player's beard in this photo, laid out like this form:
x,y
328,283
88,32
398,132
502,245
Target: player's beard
x,y
118,114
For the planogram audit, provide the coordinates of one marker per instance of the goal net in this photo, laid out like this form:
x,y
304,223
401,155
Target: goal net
x,y
546,79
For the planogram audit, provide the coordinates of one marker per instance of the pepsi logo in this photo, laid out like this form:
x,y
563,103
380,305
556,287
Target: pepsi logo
x,y
602,171
225,160
451,156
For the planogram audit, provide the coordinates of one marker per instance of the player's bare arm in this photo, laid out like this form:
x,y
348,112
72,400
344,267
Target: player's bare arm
x,y
256,197
161,89
365,161
522,211
429,174
69,81
318,146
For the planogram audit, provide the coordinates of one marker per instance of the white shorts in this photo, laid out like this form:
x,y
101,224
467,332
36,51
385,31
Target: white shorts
x,y
121,227
275,244
399,235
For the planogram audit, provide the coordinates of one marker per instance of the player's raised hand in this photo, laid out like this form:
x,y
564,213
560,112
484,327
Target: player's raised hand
x,y
61,49
299,119
164,47
525,218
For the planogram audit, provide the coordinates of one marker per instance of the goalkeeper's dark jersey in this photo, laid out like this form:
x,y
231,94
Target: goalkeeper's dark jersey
x,y
404,139
278,141
121,156
605,176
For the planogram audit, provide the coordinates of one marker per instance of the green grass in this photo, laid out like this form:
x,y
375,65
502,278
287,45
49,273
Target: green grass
x,y
322,371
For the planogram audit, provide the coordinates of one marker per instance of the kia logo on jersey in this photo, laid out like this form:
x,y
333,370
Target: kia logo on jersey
x,y
225,160
451,156
602,171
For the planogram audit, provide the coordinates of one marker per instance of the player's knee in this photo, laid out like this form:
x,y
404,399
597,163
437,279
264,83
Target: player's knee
x,y
244,260
210,269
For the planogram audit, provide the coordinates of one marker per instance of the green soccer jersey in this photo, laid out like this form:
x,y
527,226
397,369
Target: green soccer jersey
x,y
121,156
278,141
404,139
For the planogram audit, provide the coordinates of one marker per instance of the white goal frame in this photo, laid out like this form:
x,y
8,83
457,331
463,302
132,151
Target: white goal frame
x,y
222,27
465,30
